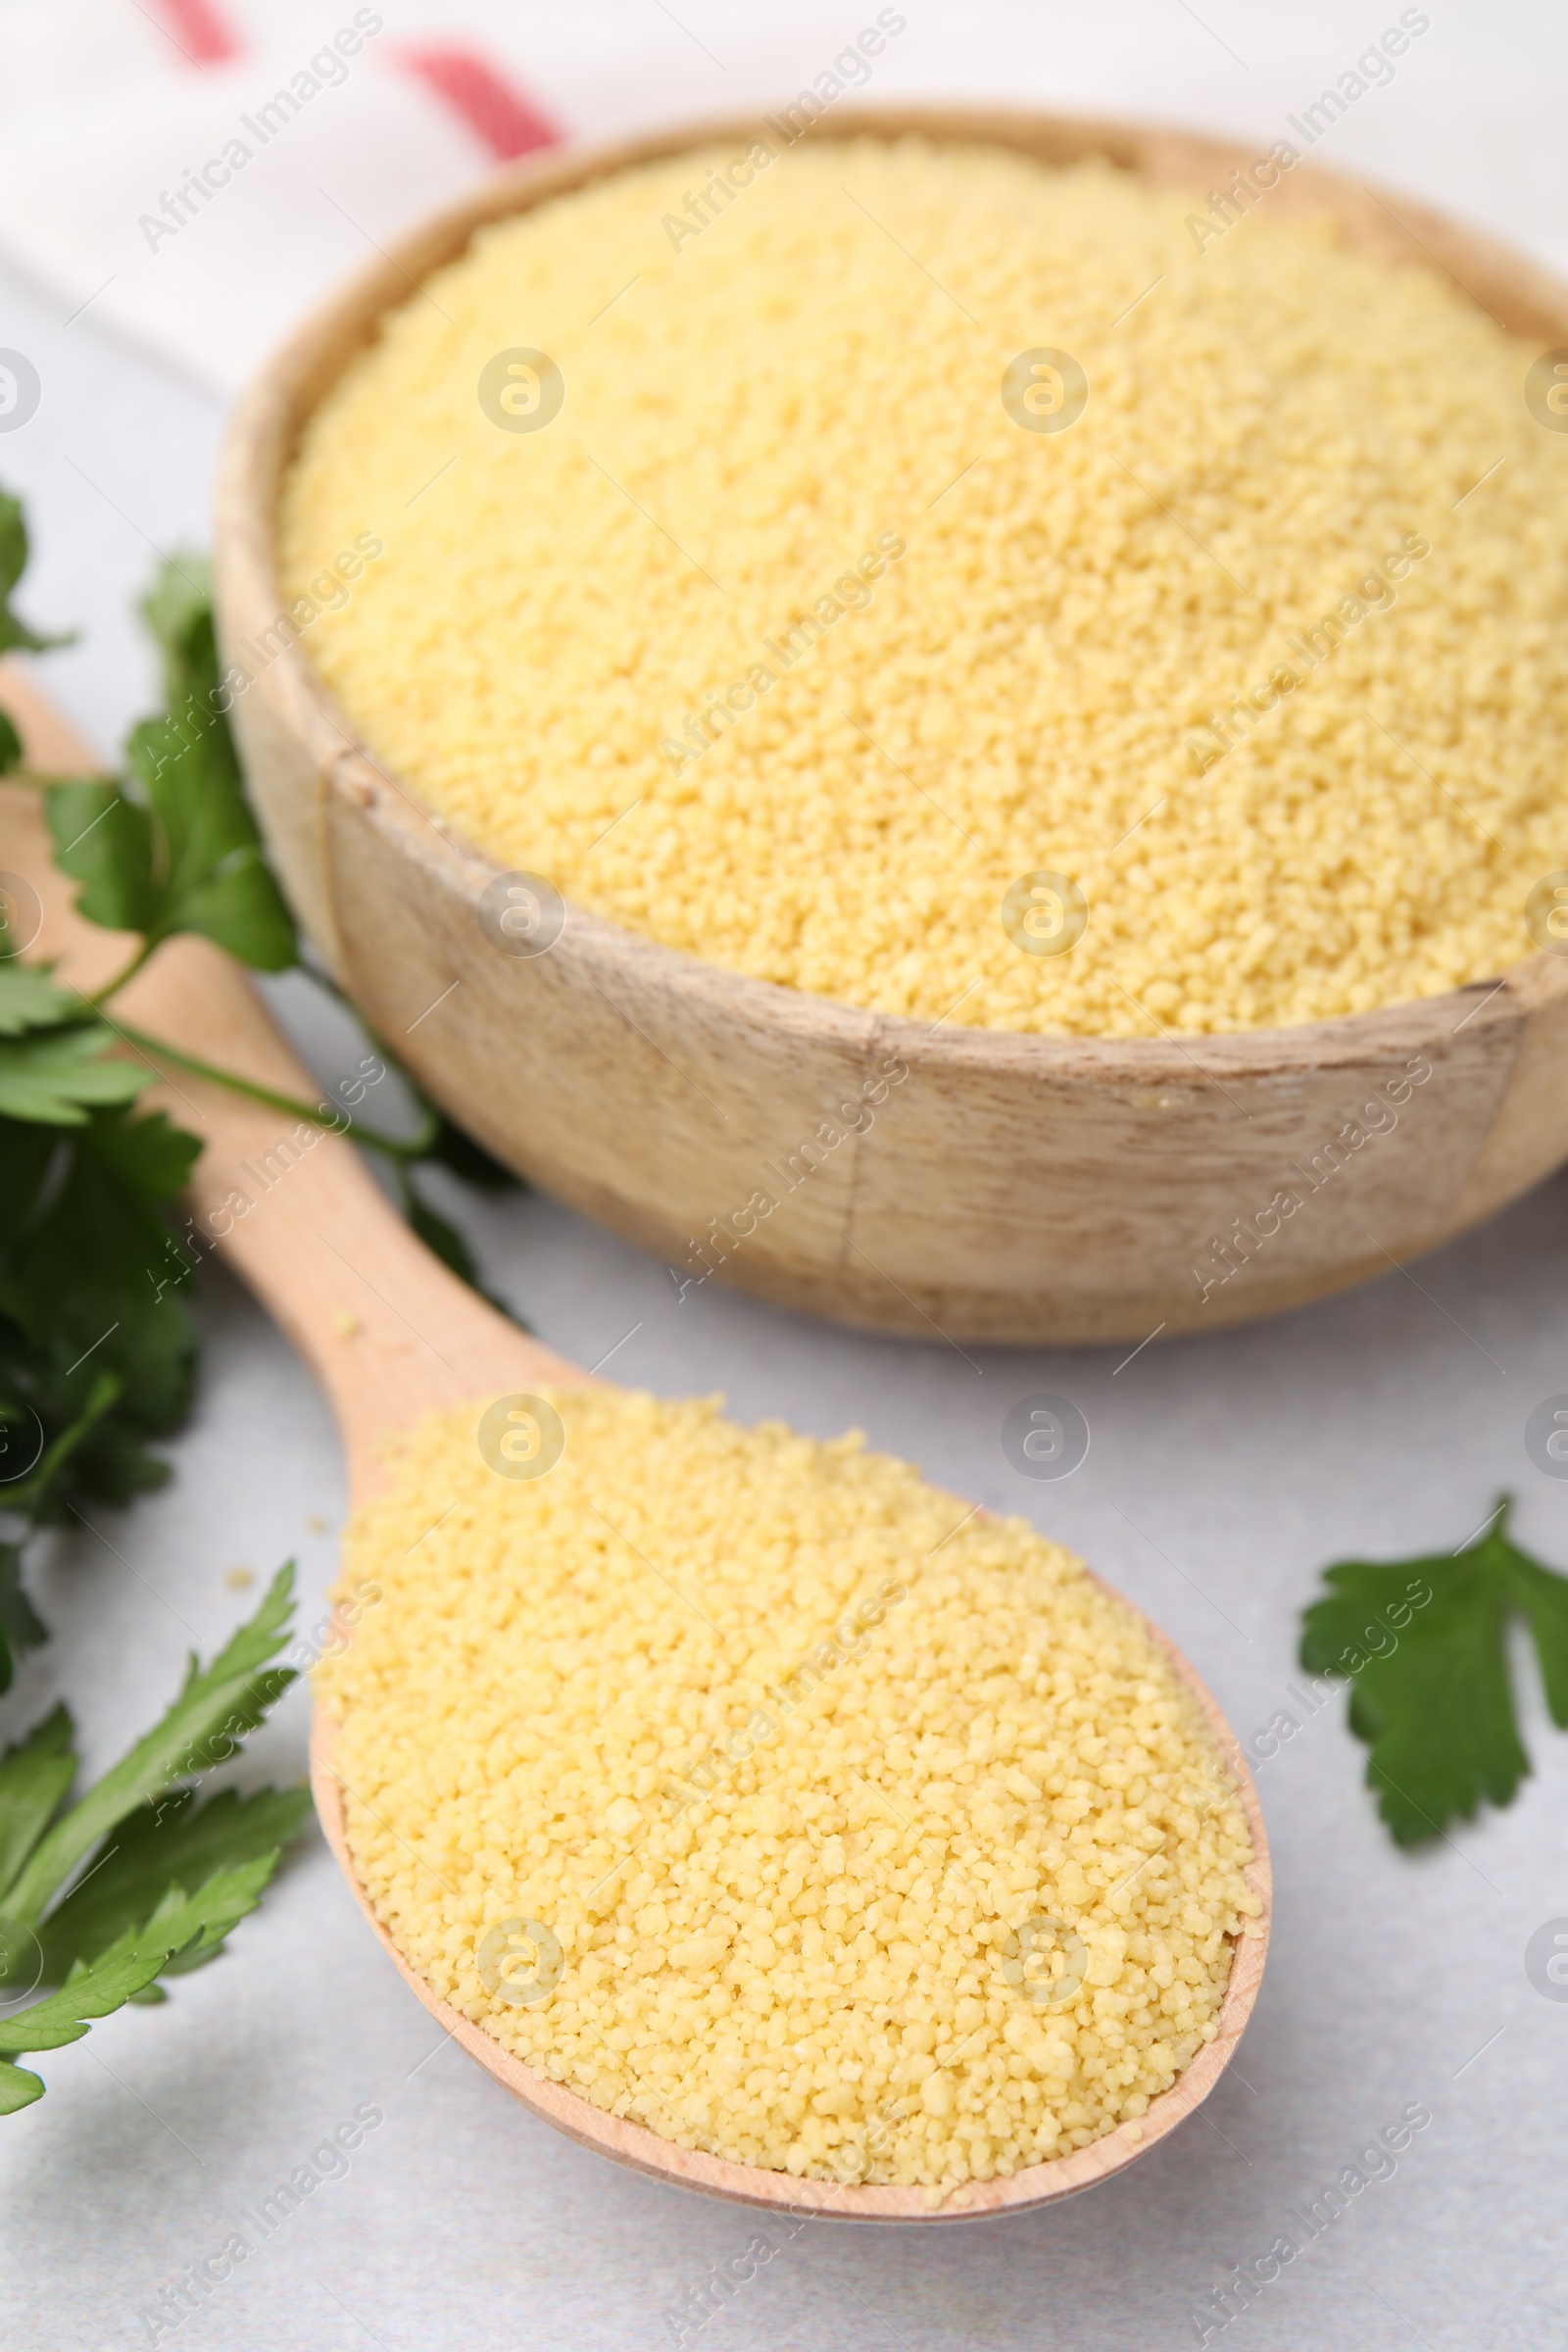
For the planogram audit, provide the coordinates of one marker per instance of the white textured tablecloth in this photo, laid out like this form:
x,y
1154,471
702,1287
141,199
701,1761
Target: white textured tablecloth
x,y
1378,1424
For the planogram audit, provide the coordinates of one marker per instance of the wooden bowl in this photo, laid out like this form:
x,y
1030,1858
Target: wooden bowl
x,y
1045,2183
1012,1187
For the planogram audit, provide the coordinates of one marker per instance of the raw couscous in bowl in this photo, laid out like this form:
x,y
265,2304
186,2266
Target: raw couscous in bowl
x,y
954,720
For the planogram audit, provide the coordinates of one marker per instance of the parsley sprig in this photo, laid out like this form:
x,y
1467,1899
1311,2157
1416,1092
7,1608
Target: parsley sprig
x,y
97,1346
141,1877
172,844
1423,1644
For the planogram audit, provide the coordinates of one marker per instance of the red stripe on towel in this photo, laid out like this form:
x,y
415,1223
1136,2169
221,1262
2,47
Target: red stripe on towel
x,y
200,30
508,123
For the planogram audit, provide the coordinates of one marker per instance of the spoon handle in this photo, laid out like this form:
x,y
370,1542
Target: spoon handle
x,y
387,1330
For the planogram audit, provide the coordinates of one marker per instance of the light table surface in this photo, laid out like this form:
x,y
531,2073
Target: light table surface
x,y
1224,1472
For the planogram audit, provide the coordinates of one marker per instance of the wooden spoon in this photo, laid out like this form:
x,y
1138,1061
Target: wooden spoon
x,y
391,1336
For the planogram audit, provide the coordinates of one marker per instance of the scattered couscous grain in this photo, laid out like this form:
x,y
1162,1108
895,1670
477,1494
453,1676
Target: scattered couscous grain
x,y
783,643
758,1792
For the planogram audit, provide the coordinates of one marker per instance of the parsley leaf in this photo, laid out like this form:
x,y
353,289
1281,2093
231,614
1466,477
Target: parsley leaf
x,y
1422,1643
52,1050
97,1349
456,1152
175,1842
215,1706
29,999
180,1925
172,1875
174,847
84,1275
104,841
452,1148
177,609
438,1234
20,1626
35,1776
54,1078
15,634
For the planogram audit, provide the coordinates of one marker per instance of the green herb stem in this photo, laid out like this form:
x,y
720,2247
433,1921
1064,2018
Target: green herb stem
x,y
112,988
413,1147
104,1393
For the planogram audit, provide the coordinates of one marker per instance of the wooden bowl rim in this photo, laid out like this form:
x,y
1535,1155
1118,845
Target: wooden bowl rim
x,y
263,433
1045,2183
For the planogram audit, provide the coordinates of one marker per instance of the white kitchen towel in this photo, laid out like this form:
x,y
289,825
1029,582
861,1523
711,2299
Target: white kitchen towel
x,y
124,191
196,173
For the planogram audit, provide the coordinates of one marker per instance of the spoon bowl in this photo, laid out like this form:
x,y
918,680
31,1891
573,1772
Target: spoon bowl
x,y
1043,2184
